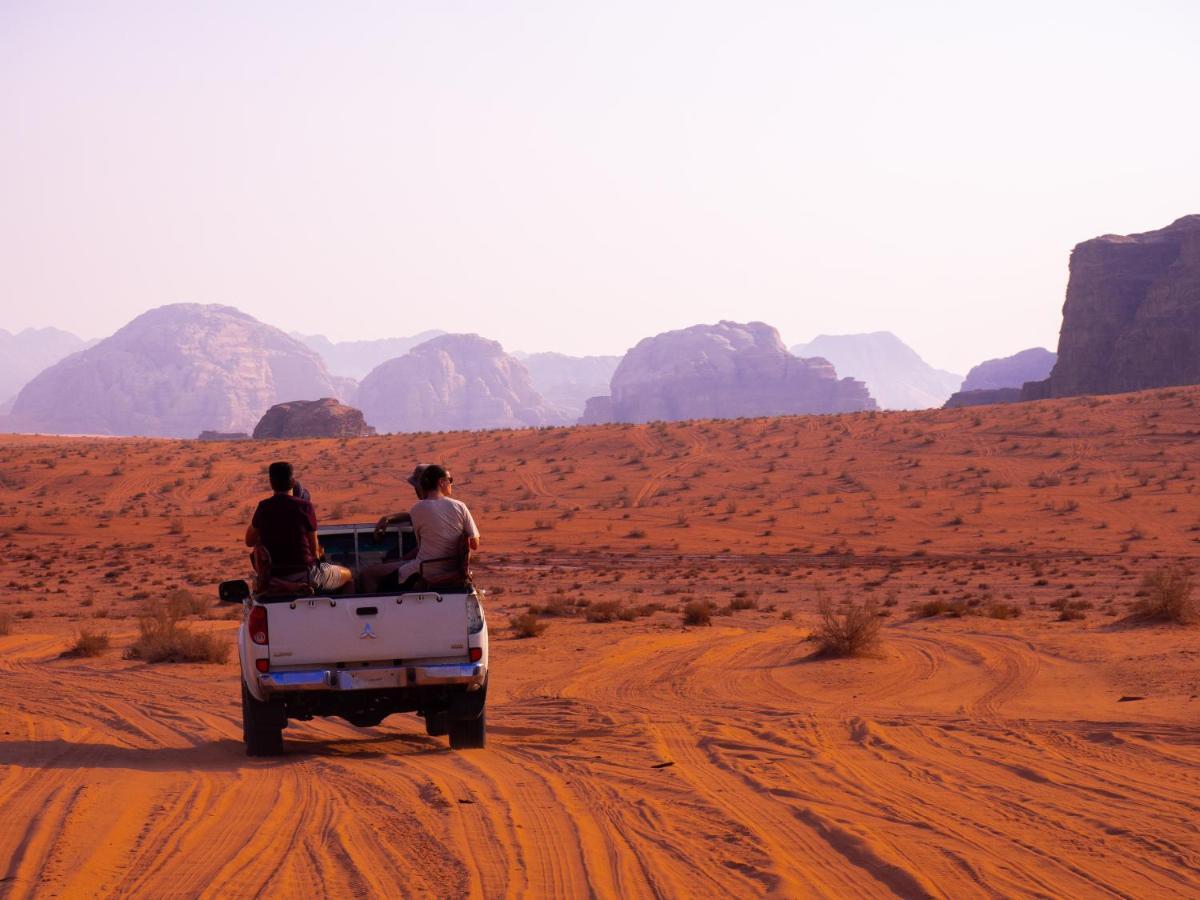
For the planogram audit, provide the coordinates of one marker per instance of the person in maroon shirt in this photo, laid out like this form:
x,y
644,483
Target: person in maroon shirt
x,y
287,526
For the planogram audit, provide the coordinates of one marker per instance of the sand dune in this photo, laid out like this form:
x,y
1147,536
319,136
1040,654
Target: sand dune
x,y
973,757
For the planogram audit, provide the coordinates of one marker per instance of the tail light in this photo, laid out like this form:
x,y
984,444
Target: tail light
x,y
476,654
258,625
263,665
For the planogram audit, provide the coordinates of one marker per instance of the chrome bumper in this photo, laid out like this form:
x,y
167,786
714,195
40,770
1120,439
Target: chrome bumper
x,y
470,674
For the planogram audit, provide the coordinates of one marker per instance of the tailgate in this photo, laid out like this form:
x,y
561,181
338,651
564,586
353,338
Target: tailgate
x,y
325,630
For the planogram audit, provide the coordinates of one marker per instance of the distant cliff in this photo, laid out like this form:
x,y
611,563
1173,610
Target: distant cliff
x,y
1132,315
354,359
1013,371
725,370
25,354
894,373
173,372
454,382
567,382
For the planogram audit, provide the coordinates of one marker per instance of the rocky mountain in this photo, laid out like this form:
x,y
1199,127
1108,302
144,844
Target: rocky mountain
x,y
1132,315
895,375
354,359
173,372
568,381
725,371
28,352
324,418
982,397
454,382
1013,371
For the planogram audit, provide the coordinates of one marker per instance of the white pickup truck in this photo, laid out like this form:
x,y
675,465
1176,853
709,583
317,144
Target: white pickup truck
x,y
362,656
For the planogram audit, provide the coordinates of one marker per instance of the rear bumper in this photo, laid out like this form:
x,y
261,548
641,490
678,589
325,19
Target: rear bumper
x,y
470,675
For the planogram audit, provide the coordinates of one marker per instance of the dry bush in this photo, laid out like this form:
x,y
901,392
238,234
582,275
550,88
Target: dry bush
x,y
183,602
527,625
698,612
1001,610
1166,596
743,602
6,621
89,643
608,611
556,606
854,632
162,636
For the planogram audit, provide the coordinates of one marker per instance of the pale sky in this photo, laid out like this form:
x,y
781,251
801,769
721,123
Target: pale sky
x,y
576,176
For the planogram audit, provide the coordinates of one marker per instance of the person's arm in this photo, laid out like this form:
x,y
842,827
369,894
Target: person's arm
x,y
314,545
473,543
253,537
385,521
471,529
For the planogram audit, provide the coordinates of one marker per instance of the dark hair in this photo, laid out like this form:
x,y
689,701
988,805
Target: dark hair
x,y
431,477
280,474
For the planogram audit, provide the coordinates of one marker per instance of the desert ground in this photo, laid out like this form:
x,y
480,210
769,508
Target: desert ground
x,y
1015,734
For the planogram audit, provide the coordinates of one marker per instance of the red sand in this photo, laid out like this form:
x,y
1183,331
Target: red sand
x,y
974,756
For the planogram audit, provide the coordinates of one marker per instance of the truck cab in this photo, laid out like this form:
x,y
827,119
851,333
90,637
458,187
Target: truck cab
x,y
362,656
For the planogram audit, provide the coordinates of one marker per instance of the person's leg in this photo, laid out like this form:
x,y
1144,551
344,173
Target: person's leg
x,y
369,577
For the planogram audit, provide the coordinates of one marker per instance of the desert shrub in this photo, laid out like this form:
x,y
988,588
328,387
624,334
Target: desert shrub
x,y
1167,596
1002,610
163,637
555,606
89,643
6,621
607,611
183,602
697,612
646,609
853,632
527,625
743,602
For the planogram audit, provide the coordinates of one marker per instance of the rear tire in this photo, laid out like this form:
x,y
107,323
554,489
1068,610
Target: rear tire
x,y
262,725
469,734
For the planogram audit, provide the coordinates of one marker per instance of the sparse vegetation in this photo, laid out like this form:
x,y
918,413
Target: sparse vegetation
x,y
697,612
89,643
527,625
855,631
164,637
1167,596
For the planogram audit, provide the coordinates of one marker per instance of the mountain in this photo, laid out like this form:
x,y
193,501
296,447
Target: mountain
x,y
725,370
1131,319
896,376
354,359
26,353
568,381
173,372
454,382
1013,371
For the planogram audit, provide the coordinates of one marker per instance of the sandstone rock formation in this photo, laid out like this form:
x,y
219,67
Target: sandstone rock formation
x,y
354,359
454,382
324,418
567,382
598,411
1132,315
173,372
28,352
726,370
982,397
1010,371
894,374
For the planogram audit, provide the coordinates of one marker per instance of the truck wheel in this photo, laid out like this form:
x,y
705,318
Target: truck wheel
x,y
262,729
437,723
468,734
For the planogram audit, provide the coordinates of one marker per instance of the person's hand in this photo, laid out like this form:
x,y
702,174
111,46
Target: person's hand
x,y
380,528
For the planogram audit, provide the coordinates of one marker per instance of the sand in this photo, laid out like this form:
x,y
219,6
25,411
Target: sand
x,y
971,756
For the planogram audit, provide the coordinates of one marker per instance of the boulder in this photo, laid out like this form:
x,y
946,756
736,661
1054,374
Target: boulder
x,y
324,418
173,372
1131,320
1010,371
727,370
454,382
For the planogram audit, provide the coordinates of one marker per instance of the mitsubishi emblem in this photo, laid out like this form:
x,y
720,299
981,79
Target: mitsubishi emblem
x,y
368,632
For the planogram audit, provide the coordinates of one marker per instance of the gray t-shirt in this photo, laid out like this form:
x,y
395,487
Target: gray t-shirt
x,y
439,525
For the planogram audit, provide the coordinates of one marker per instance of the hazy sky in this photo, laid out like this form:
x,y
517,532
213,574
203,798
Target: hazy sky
x,y
576,176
